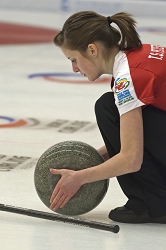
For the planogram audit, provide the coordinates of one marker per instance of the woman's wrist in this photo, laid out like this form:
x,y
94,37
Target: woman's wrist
x,y
83,176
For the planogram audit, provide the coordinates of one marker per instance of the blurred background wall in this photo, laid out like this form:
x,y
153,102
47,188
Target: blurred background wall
x,y
144,8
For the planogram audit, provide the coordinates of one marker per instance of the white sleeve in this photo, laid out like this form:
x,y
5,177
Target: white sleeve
x,y
124,92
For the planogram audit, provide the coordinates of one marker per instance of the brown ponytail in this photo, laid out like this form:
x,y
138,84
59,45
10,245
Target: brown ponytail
x,y
129,37
85,27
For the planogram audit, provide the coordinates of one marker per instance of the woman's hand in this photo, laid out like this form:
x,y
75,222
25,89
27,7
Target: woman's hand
x,y
65,189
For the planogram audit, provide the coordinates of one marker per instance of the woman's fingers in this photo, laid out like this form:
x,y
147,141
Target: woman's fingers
x,y
59,202
65,189
64,202
56,171
56,189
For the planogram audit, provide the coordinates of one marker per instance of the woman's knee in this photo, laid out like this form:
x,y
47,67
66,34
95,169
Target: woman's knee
x,y
104,102
105,107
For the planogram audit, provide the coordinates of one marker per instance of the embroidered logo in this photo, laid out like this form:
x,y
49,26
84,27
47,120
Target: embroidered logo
x,y
123,94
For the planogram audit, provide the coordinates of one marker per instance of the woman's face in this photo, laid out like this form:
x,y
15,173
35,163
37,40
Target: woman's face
x,y
87,66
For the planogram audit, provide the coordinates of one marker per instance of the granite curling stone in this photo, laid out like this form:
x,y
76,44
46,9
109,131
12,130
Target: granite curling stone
x,y
73,155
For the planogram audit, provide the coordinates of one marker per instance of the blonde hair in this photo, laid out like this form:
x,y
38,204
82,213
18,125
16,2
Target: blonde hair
x,y
85,27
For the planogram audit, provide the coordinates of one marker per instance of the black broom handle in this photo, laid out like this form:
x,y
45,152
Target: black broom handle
x,y
50,216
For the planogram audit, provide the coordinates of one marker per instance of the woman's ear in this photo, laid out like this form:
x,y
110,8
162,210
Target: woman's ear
x,y
92,50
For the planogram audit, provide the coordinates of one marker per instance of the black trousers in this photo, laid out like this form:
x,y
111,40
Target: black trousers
x,y
145,188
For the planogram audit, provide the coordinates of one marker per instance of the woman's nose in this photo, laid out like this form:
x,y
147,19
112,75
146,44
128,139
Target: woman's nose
x,y
75,69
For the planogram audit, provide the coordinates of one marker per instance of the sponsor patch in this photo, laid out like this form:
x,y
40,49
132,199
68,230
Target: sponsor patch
x,y
120,89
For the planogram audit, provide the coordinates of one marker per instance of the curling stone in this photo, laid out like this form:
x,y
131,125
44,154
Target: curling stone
x,y
73,155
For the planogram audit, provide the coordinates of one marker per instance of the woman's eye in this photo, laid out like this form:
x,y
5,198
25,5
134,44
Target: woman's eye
x,y
73,61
